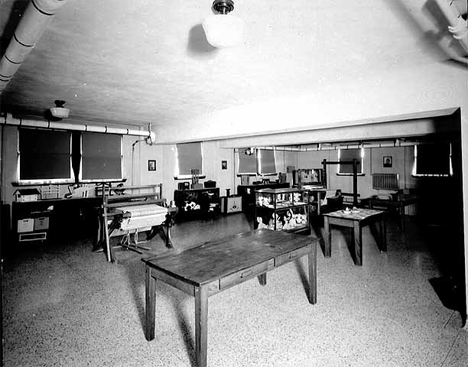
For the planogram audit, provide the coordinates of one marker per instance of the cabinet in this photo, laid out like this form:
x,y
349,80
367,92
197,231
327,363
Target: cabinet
x,y
248,193
231,204
282,209
31,221
55,219
315,200
197,203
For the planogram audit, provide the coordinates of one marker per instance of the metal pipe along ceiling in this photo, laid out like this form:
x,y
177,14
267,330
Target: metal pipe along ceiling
x,y
8,119
32,25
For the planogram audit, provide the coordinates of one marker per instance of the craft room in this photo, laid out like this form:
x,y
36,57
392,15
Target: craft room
x,y
220,184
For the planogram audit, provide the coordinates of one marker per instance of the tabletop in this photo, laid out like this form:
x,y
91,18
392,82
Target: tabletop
x,y
354,214
218,258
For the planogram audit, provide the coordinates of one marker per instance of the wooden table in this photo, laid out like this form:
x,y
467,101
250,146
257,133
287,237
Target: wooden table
x,y
212,267
399,203
355,219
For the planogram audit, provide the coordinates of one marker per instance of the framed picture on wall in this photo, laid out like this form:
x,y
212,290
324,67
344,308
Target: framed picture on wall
x,y
152,165
387,161
223,164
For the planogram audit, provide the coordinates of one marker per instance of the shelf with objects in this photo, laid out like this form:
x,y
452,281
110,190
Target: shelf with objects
x,y
31,220
282,209
247,192
314,181
197,203
41,215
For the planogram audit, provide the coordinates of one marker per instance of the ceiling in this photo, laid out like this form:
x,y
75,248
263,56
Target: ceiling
x,y
134,63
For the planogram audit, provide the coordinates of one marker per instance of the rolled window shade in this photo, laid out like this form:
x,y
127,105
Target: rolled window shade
x,y
189,157
348,155
44,155
267,163
101,156
433,159
247,162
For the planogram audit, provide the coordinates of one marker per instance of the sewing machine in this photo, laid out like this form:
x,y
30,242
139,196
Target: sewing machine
x,y
127,211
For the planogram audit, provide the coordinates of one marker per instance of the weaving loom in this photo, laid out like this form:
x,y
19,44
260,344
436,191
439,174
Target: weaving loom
x,y
126,215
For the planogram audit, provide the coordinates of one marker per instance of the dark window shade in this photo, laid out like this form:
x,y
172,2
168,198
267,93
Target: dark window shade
x,y
101,156
433,159
44,155
267,162
189,156
347,155
247,162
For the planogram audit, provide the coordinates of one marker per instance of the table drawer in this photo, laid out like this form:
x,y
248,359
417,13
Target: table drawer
x,y
296,254
246,274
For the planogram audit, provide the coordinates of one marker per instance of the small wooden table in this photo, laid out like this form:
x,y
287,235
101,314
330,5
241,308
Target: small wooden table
x,y
214,266
401,202
355,219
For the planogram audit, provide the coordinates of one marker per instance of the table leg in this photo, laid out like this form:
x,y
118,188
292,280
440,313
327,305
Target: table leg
x,y
262,279
383,234
326,237
357,234
150,286
201,325
402,217
312,260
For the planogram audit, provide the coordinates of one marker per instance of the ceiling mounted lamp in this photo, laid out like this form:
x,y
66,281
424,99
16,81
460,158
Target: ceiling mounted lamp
x,y
59,111
223,29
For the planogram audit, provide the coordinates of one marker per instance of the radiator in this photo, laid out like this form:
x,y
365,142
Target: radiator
x,y
385,181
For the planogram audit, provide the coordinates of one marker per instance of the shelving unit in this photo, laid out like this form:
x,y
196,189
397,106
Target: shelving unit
x,y
197,203
31,221
248,193
315,200
282,209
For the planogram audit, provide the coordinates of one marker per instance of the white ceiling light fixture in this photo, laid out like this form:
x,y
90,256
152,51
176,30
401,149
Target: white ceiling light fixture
x,y
223,29
59,111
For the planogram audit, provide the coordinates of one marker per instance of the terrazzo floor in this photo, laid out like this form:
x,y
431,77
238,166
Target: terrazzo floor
x,y
64,305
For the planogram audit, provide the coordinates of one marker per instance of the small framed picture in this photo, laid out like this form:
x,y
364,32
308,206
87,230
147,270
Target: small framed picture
x,y
223,164
387,161
152,165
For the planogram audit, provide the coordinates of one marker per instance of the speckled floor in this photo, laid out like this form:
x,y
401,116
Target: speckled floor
x,y
64,305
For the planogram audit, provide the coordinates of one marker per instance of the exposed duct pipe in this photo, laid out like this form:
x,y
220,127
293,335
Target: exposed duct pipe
x,y
8,119
458,26
32,25
335,146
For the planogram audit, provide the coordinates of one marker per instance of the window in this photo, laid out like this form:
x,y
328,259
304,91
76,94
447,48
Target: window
x,y
189,157
44,156
348,155
55,156
101,157
433,160
247,161
266,162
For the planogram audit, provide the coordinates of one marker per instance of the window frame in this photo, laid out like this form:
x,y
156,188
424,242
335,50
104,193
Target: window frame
x,y
94,180
259,162
361,173
75,160
415,164
43,181
253,156
178,175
